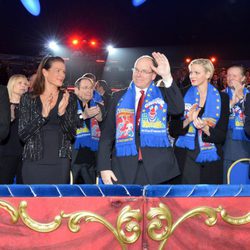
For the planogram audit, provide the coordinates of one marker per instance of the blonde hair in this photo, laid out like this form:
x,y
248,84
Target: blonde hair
x,y
205,63
12,81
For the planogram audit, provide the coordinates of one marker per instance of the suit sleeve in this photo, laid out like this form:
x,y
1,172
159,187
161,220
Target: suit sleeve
x,y
247,114
174,99
5,113
107,139
218,133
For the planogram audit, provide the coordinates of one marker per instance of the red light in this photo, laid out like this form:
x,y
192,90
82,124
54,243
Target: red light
x,y
93,43
75,41
213,59
188,60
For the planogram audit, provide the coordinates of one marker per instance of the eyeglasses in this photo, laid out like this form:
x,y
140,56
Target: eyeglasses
x,y
143,71
86,88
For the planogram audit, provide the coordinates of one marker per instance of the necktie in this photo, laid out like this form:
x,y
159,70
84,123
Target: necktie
x,y
138,117
138,112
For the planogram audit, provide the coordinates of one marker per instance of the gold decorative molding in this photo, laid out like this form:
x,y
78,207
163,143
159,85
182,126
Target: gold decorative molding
x,y
10,209
127,230
36,226
127,215
237,221
157,215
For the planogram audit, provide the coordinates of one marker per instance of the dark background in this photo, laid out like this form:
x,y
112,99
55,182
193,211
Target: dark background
x,y
218,26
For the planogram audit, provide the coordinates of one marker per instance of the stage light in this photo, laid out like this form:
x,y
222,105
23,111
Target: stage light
x,y
75,42
188,60
93,43
53,45
213,59
137,3
32,6
110,48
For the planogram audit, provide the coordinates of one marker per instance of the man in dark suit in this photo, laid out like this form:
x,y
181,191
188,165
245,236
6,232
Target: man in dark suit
x,y
134,146
4,113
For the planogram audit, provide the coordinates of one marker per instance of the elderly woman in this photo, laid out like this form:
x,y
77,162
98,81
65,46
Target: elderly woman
x,y
11,148
47,126
201,132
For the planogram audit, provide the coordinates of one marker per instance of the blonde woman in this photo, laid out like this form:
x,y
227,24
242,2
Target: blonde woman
x,y
201,131
11,148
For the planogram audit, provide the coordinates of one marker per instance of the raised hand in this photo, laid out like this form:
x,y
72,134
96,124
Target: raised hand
x,y
90,112
163,68
63,104
193,112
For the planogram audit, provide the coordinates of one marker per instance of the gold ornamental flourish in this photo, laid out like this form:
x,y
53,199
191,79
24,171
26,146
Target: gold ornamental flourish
x,y
127,215
10,209
162,213
127,222
37,226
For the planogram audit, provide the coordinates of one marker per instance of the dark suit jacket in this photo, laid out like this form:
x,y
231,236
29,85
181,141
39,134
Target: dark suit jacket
x,y
247,114
4,112
159,163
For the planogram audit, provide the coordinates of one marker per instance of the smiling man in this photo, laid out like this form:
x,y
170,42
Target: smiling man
x,y
134,146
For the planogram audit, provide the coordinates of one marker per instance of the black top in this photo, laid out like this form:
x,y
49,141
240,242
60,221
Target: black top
x,y
12,145
4,112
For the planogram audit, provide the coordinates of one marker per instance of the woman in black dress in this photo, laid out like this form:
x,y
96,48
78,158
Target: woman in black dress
x,y
202,130
47,126
11,147
4,113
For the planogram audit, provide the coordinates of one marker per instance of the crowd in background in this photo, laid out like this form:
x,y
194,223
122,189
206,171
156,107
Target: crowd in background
x,y
52,135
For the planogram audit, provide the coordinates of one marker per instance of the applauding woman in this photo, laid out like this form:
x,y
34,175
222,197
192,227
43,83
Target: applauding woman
x,y
202,130
47,126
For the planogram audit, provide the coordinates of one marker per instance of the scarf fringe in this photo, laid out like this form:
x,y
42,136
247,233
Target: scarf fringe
x,y
207,156
155,141
124,150
186,142
239,135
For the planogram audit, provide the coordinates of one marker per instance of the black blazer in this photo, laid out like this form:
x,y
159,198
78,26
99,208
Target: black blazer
x,y
4,112
159,163
247,114
31,121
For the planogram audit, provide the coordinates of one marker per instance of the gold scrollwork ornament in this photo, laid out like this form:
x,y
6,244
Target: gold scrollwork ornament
x,y
127,215
162,213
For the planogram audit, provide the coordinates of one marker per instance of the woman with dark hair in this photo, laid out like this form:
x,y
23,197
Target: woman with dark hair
x,y
202,130
11,147
47,126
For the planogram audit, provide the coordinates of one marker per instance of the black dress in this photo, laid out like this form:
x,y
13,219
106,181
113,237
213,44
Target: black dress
x,y
193,172
11,149
51,169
